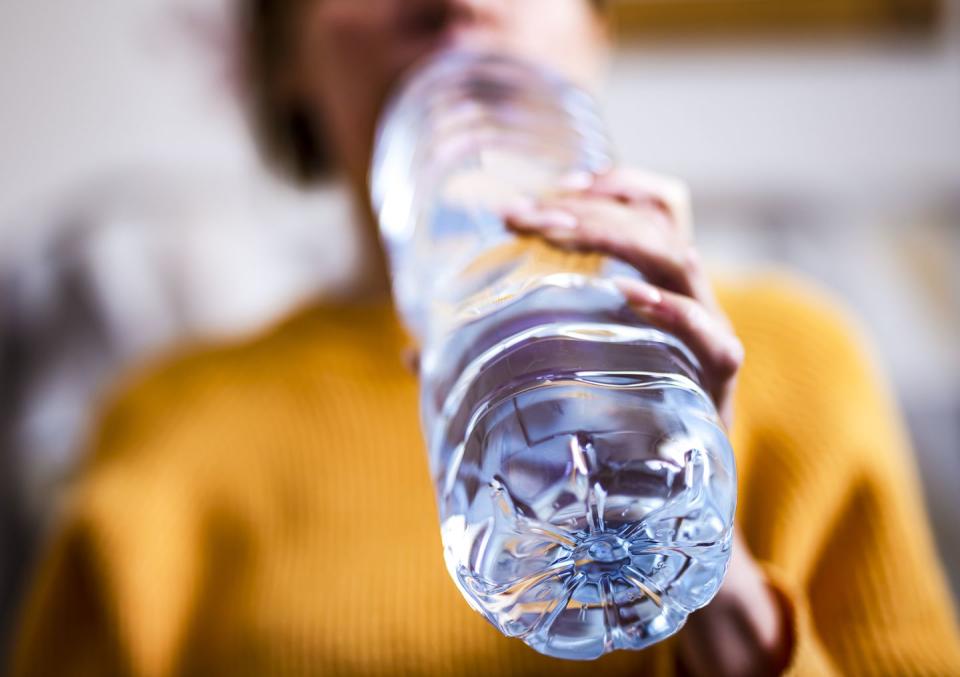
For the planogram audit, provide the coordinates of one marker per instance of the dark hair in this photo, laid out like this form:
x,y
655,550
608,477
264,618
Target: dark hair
x,y
284,129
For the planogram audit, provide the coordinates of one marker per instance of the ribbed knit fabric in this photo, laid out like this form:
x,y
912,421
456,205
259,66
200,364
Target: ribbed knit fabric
x,y
266,509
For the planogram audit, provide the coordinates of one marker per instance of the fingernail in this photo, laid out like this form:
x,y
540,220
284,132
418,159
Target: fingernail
x,y
520,206
558,218
547,219
638,291
576,180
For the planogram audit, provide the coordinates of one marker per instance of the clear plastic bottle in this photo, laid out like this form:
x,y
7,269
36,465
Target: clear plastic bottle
x,y
585,485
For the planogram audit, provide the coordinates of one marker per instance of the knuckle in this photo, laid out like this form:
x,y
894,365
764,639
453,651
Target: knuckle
x,y
630,174
694,316
670,195
675,190
690,261
681,192
730,358
681,206
683,266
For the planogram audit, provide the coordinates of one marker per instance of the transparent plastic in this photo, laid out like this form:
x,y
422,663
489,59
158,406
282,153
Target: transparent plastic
x,y
585,484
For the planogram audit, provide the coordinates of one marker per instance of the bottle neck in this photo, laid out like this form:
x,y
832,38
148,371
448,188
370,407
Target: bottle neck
x,y
466,135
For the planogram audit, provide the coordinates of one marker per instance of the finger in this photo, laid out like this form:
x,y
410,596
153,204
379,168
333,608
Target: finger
x,y
706,334
639,236
588,185
638,187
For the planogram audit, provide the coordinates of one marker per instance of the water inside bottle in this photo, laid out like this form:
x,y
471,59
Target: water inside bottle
x,y
583,509
585,485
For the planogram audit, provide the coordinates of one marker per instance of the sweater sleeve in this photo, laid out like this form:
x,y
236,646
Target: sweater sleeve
x,y
808,656
116,588
831,504
95,600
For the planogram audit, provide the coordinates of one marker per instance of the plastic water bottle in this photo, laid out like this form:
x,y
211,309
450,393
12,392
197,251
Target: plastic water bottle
x,y
586,488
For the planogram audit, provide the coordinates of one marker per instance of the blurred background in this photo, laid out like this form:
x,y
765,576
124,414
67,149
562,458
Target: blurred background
x,y
822,135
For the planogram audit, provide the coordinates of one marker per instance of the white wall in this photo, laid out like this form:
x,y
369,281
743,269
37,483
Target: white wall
x,y
94,87
87,86
836,119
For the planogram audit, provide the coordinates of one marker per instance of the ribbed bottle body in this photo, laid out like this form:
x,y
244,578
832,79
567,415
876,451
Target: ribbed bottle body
x,y
585,484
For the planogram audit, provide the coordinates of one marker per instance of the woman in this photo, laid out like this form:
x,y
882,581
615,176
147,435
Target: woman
x,y
266,507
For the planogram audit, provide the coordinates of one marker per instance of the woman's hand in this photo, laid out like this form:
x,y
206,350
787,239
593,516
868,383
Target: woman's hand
x,y
644,220
745,630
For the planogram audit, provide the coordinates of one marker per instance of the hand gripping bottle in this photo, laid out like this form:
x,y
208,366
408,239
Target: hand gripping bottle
x,y
585,484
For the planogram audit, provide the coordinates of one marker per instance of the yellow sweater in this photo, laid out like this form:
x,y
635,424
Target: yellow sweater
x,y
266,509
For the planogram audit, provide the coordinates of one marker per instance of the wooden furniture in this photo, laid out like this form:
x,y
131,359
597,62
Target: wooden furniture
x,y
777,17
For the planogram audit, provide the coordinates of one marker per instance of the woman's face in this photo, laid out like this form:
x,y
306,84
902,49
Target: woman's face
x,y
348,53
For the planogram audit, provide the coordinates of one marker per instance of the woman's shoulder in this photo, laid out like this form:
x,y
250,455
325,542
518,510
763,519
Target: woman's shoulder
x,y
779,312
788,294
811,373
798,335
189,391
